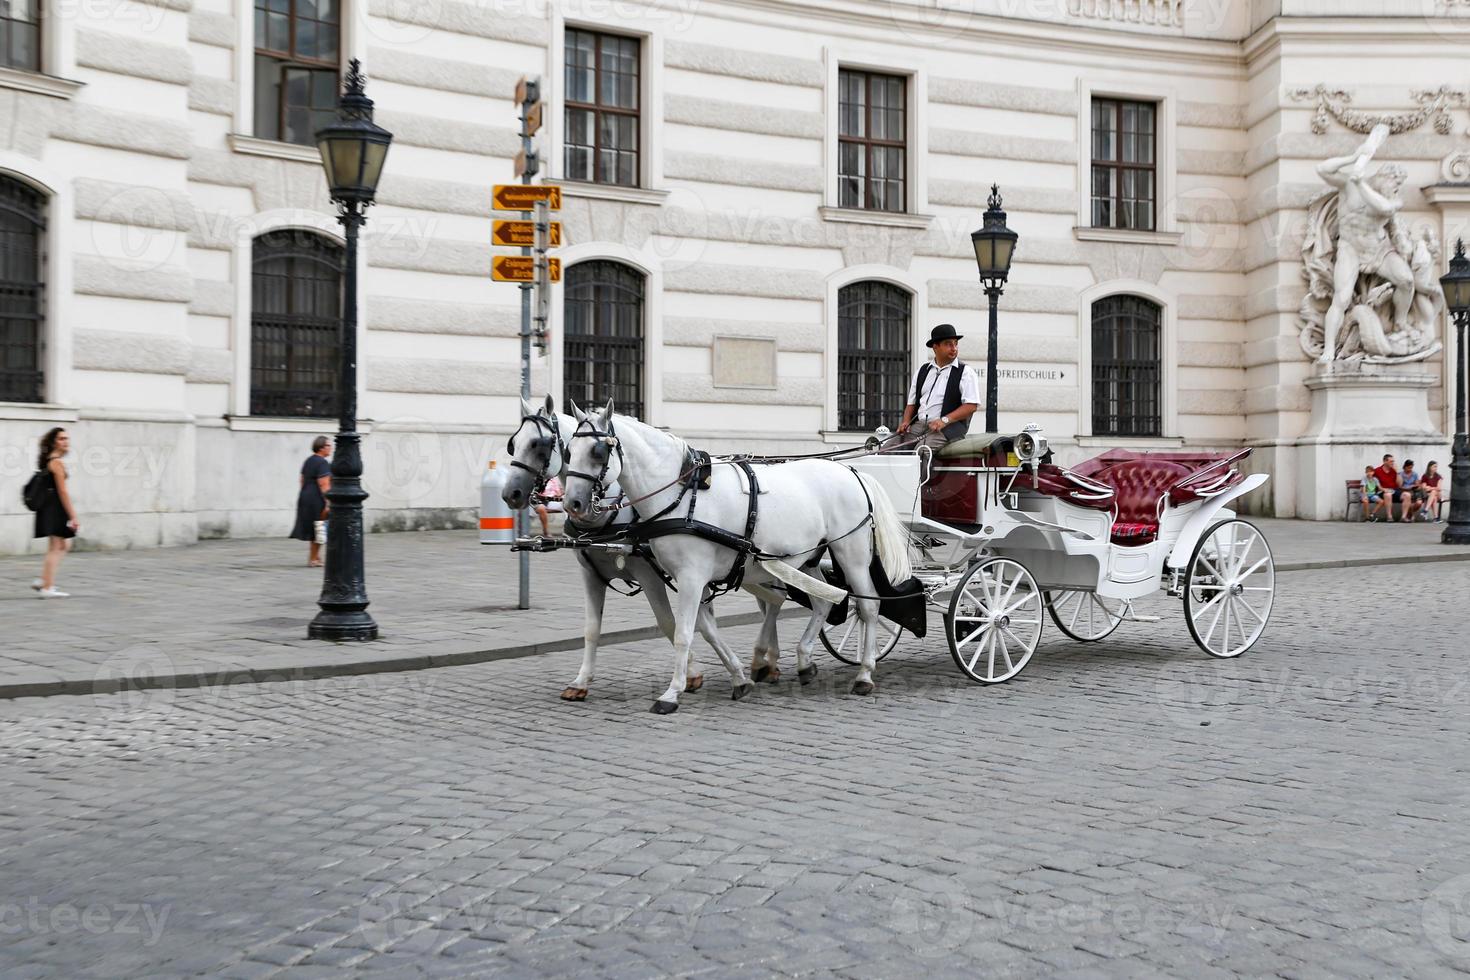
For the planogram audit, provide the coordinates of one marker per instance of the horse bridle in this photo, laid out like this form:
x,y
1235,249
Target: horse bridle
x,y
607,443
548,439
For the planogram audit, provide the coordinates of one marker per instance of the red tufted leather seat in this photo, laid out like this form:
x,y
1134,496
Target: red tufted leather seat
x,y
1138,484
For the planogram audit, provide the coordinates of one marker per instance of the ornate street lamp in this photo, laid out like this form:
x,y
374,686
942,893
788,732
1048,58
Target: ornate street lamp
x,y
1456,284
353,150
994,244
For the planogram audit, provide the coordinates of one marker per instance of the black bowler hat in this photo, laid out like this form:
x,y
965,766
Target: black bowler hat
x,y
943,332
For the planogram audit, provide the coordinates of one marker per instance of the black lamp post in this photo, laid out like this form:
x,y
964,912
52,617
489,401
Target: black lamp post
x,y
1456,284
353,150
994,243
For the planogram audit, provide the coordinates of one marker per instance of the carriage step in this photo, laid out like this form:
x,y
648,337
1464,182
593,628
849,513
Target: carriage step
x,y
1136,618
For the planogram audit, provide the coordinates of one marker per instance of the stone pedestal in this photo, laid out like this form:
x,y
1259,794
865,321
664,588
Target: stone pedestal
x,y
1358,414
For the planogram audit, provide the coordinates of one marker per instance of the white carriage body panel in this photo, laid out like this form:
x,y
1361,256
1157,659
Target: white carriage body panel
x,y
1210,511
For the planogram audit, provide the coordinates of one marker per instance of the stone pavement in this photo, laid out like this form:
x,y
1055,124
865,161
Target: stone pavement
x,y
229,611
1126,809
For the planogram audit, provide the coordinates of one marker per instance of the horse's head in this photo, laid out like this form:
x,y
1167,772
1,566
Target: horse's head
x,y
594,461
536,453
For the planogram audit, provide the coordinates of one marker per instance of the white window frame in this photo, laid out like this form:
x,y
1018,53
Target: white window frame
x,y
911,282
243,254
647,262
1166,159
56,326
353,44
883,60
650,34
1168,354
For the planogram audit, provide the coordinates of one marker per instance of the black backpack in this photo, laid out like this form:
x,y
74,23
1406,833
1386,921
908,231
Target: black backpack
x,y
34,493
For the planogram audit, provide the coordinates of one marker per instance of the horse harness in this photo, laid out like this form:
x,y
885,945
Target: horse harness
x,y
547,441
698,475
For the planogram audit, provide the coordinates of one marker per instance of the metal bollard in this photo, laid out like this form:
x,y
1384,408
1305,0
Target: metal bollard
x,y
497,520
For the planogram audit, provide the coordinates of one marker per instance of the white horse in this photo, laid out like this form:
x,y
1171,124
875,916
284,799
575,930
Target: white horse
x,y
538,450
802,506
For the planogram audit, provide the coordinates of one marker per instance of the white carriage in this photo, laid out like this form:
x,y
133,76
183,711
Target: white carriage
x,y
1002,536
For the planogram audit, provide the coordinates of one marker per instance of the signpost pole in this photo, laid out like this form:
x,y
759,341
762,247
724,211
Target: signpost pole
x,y
529,96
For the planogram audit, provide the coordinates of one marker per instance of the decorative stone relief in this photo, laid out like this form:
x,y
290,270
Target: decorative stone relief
x,y
1373,296
1455,168
1434,104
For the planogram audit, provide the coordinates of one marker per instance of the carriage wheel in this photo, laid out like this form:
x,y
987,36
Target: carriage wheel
x,y
1231,586
1084,616
845,641
994,620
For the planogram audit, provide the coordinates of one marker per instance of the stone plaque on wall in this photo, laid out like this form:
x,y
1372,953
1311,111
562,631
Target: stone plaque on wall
x,y
744,362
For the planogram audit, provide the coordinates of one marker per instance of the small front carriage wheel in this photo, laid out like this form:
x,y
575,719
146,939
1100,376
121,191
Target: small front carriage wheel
x,y
1230,589
1083,615
994,620
845,641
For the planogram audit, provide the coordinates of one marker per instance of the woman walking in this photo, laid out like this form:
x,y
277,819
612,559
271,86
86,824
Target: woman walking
x,y
311,501
56,517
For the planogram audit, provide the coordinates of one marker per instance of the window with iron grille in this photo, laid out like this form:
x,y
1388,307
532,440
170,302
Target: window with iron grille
x,y
1124,170
603,352
871,133
297,61
22,291
1127,370
20,34
602,108
873,355
295,324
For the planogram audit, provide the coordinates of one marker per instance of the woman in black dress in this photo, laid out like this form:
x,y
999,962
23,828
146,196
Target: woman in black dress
x,y
311,502
56,518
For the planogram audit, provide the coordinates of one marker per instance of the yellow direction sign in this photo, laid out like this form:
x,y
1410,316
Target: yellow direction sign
x,y
533,118
521,233
520,268
523,197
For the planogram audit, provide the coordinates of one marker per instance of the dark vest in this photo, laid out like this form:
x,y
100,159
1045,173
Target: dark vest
x,y
954,430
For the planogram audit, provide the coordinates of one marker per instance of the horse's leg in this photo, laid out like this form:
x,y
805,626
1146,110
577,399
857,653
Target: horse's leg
x,y
710,630
596,590
686,613
806,671
854,557
765,661
663,614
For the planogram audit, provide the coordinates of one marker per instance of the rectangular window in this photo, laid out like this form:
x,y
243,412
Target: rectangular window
x,y
1124,167
871,133
20,34
297,60
602,108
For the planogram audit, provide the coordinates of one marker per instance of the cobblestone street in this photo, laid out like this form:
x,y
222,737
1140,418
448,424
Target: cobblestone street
x,y
1127,809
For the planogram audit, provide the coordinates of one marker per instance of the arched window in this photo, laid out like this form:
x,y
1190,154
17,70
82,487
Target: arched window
x,y
873,355
22,290
297,59
603,353
1127,368
295,324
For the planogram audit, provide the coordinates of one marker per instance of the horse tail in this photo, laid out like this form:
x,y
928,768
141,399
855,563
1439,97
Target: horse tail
x,y
889,533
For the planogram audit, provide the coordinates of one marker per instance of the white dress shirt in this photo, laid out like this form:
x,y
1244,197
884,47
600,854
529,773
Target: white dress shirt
x,y
930,401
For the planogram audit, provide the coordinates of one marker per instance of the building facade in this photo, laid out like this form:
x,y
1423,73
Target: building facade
x,y
766,207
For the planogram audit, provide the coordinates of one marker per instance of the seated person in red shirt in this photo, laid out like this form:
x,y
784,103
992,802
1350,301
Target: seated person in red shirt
x,y
1388,478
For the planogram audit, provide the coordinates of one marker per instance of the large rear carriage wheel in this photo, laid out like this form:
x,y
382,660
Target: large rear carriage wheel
x,y
1230,589
1084,616
994,620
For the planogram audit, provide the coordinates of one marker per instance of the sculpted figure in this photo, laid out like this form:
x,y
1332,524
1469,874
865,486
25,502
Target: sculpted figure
x,y
1371,293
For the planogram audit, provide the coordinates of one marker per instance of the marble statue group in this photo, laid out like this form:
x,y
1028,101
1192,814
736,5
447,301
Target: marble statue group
x,y
1373,293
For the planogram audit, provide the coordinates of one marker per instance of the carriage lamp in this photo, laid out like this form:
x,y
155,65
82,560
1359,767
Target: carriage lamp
x,y
353,150
1456,285
994,245
1030,444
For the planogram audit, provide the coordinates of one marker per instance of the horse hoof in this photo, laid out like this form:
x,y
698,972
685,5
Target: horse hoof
x,y
760,673
740,691
664,707
574,694
863,688
693,684
807,676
